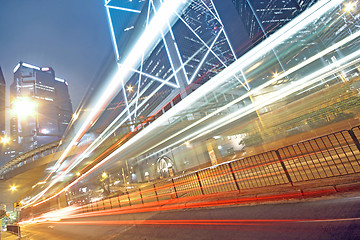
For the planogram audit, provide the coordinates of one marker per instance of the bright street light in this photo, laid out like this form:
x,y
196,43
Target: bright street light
x,y
350,6
24,107
130,88
13,188
5,140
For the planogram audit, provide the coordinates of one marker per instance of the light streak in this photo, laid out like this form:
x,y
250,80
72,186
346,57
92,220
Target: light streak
x,y
210,200
141,67
307,81
208,87
231,48
102,136
253,107
182,66
291,28
228,74
211,222
144,43
167,48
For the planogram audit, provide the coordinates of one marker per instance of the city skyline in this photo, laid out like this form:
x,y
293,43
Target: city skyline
x,y
2,103
41,107
59,34
200,114
192,73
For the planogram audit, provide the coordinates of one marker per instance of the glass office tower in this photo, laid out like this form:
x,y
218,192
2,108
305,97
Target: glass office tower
x,y
264,17
41,107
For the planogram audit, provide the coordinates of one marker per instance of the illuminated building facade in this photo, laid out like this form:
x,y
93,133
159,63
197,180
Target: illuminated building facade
x,y
264,17
41,107
261,19
226,118
190,51
2,103
3,144
185,54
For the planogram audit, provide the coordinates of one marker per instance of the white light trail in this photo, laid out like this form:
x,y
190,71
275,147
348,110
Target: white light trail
x,y
196,97
271,98
211,85
166,46
300,84
167,13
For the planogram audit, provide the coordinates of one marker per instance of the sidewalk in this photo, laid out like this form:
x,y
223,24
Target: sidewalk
x,y
8,236
309,190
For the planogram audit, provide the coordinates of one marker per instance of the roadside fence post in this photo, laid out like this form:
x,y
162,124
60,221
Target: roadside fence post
x,y
284,167
201,188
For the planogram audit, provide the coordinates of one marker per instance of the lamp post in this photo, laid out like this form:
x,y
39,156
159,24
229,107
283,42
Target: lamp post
x,y
4,141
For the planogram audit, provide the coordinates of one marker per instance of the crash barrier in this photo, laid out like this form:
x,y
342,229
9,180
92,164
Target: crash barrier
x,y
332,155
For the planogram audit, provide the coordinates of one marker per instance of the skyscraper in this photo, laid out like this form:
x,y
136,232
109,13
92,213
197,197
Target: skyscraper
x,y
2,103
41,107
192,49
3,146
264,17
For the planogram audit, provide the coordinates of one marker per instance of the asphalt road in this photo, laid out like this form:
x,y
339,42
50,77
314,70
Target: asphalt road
x,y
334,218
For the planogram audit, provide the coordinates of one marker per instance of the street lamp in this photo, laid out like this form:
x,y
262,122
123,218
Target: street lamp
x,y
13,188
5,140
350,6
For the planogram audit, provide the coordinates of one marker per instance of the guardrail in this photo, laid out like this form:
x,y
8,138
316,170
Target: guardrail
x,y
332,155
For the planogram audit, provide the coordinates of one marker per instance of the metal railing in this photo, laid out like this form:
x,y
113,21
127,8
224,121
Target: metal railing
x,y
332,155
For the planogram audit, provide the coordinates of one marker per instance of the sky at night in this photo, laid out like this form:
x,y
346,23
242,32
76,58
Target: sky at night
x,y
72,36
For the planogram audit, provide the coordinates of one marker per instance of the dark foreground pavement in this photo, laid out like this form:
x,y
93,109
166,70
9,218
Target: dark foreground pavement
x,y
336,217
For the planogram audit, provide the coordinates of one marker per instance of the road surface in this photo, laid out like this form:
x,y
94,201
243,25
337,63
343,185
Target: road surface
x,y
332,218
